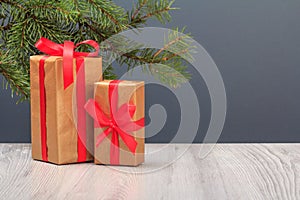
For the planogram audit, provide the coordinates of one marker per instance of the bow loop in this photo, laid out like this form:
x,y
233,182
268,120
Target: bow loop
x,y
53,49
128,140
48,47
124,113
68,63
96,113
92,43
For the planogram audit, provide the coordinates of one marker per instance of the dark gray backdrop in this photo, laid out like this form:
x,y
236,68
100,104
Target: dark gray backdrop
x,y
256,46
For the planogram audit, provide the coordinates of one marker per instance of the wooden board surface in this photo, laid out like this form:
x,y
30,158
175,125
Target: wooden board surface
x,y
229,171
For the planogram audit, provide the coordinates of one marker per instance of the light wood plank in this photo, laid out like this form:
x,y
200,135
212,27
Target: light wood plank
x,y
230,171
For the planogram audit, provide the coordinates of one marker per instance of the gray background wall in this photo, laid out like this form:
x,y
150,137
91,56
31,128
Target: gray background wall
x,y
256,46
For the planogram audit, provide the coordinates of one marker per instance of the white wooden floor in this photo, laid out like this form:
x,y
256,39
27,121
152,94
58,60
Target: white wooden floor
x,y
230,171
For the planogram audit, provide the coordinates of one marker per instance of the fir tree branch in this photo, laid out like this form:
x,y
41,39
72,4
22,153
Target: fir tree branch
x,y
168,45
23,33
184,51
148,15
147,9
104,12
12,4
79,20
141,59
138,10
6,27
15,78
150,61
51,7
13,82
100,34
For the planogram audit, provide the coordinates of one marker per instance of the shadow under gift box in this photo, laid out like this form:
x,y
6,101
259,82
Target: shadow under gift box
x,y
132,92
61,141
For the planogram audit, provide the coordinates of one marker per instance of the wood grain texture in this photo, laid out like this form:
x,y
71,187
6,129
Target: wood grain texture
x,y
230,171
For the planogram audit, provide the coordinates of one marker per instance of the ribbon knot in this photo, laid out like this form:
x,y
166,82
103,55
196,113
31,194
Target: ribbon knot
x,y
112,125
119,123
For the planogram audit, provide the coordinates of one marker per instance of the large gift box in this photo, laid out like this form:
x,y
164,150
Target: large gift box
x,y
61,83
118,109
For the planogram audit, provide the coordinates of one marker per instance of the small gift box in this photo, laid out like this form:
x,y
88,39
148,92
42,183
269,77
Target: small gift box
x,y
118,112
61,83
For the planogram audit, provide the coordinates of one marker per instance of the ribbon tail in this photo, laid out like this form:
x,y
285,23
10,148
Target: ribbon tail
x,y
128,140
102,135
124,114
114,149
134,125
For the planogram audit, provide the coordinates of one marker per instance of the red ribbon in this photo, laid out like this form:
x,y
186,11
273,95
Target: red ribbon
x,y
67,51
119,123
43,108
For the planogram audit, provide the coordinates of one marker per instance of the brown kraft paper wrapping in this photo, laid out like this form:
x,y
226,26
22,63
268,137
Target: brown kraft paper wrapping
x,y
61,131
129,91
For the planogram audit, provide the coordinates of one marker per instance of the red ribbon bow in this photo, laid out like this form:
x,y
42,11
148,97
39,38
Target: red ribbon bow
x,y
119,123
67,51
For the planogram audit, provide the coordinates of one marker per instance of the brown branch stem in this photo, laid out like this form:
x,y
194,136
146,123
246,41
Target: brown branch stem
x,y
167,46
138,10
115,21
50,7
23,32
13,4
153,13
176,54
4,28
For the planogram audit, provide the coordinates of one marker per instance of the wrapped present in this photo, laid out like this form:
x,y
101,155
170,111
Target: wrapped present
x,y
61,82
118,112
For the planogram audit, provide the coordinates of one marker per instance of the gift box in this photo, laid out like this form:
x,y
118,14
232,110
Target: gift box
x,y
118,112
61,83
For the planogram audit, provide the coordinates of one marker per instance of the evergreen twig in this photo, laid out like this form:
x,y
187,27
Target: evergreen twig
x,y
23,22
